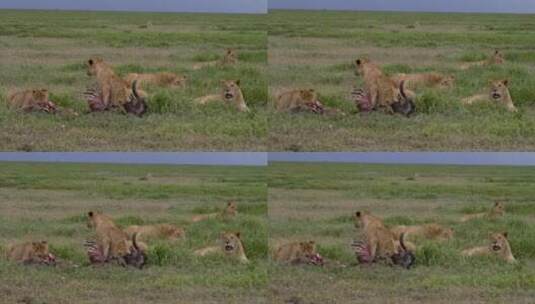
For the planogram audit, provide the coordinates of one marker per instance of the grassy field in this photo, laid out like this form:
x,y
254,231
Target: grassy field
x,y
317,49
45,201
316,201
49,49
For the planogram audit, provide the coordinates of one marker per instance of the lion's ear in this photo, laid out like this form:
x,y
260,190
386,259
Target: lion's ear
x,y
358,62
505,234
358,214
238,234
505,82
238,82
90,213
91,62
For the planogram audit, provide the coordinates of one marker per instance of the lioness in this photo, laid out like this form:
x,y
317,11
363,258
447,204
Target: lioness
x,y
383,92
496,58
499,93
428,231
230,245
498,210
296,253
435,80
30,253
112,91
114,242
303,100
499,246
230,211
159,231
230,58
231,94
31,100
380,240
163,79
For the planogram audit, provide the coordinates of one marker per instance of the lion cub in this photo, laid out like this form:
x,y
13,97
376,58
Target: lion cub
x,y
296,253
383,91
163,79
113,91
496,58
230,211
498,210
428,231
303,100
230,94
31,100
499,246
114,242
230,58
434,80
230,244
159,231
499,93
29,252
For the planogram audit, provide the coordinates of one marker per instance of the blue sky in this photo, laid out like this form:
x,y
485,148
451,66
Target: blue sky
x,y
170,158
500,6
261,159
226,6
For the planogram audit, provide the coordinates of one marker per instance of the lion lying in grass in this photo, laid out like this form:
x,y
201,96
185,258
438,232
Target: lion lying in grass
x,y
31,253
230,211
31,100
231,94
432,80
303,100
163,79
499,246
498,93
230,58
496,59
298,253
230,245
498,210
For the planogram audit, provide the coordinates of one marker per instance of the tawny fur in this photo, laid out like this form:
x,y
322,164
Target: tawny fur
x,y
163,79
496,59
230,211
115,90
230,244
295,253
498,246
158,231
498,210
431,231
499,93
433,80
382,90
28,100
114,242
230,58
231,93
29,252
381,242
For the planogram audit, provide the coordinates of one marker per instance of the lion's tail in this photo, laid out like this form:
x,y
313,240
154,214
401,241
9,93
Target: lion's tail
x,y
402,241
134,89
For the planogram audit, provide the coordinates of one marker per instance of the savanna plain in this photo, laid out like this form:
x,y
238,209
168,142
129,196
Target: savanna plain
x,y
50,49
51,202
316,202
318,50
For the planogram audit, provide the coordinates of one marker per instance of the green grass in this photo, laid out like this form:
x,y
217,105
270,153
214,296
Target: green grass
x,y
52,53
49,201
316,201
316,49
